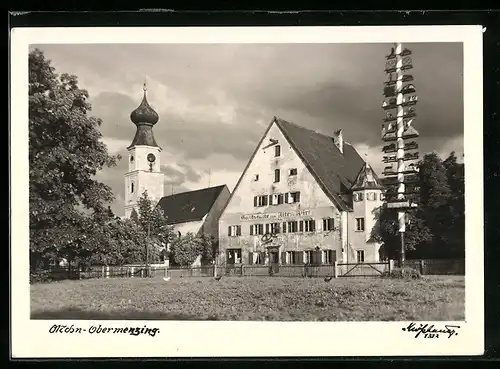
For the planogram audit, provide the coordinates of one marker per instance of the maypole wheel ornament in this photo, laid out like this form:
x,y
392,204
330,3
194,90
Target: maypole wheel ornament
x,y
401,174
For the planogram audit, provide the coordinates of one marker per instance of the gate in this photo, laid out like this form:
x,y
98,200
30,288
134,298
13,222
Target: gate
x,y
362,269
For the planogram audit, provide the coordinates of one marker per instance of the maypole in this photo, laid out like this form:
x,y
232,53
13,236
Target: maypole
x,y
400,99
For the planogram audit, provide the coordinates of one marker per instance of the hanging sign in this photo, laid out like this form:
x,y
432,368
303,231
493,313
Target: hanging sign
x,y
398,205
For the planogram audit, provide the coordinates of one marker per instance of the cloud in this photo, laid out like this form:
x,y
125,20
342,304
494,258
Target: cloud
x,y
215,100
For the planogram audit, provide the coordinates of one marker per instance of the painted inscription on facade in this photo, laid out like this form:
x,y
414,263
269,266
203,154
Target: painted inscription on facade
x,y
276,216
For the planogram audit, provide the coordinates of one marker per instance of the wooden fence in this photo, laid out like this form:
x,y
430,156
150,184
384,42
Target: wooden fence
x,y
426,267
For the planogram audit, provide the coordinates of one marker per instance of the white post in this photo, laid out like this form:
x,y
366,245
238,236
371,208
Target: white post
x,y
400,145
335,269
107,271
132,272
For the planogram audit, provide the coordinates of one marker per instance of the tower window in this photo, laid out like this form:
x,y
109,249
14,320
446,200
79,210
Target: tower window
x,y
360,224
132,187
277,150
132,158
293,171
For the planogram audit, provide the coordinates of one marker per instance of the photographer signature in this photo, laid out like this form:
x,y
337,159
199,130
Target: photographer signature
x,y
430,331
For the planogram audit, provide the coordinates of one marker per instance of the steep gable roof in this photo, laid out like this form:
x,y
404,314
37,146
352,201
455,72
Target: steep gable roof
x,y
334,171
366,179
189,206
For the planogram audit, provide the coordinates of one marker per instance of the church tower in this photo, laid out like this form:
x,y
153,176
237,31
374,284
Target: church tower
x,y
144,171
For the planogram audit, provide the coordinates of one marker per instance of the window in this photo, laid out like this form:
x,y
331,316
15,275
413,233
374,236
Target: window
x,y
328,257
382,197
260,200
277,150
309,256
256,258
360,224
234,231
355,197
233,256
371,196
132,158
276,175
256,229
360,196
267,228
132,187
284,227
293,197
292,226
307,225
273,199
280,199
294,257
360,256
275,228
328,224
293,171
255,177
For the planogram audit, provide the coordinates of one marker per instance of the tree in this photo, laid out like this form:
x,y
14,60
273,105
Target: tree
x,y
154,225
436,227
186,249
65,153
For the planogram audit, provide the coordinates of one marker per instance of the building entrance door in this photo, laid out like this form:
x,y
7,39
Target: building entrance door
x,y
274,260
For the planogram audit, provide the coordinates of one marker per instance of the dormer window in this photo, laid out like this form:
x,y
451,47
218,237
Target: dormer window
x,y
277,150
293,172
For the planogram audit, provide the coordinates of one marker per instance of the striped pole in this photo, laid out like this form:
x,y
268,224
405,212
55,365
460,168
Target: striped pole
x,y
400,148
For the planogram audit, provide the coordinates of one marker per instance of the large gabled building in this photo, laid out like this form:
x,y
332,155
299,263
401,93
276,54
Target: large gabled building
x,y
304,197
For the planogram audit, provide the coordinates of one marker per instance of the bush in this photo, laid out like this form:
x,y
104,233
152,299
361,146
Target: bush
x,y
402,273
39,276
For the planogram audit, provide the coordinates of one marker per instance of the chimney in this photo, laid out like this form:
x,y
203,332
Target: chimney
x,y
338,140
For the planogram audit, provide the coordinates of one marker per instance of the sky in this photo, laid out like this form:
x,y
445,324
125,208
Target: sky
x,y
216,100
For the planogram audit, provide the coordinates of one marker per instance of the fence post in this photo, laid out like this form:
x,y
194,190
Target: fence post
x,y
391,265
335,273
103,272
422,265
142,273
131,272
107,271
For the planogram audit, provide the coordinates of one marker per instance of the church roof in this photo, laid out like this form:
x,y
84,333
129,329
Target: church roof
x,y
366,179
189,206
334,171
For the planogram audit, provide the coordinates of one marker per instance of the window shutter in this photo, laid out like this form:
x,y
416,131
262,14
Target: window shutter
x,y
267,228
255,201
313,225
250,258
301,226
251,229
238,230
280,198
284,227
229,231
283,258
297,196
264,202
360,196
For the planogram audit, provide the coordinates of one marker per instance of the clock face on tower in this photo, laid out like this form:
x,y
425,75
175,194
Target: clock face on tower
x,y
151,158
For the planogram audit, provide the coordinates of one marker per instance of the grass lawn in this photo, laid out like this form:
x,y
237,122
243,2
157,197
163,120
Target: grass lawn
x,y
252,298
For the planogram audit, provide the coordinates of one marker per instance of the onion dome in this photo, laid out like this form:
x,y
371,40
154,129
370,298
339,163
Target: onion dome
x,y
144,117
144,114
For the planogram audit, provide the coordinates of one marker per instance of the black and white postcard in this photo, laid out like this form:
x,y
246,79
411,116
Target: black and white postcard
x,y
259,191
